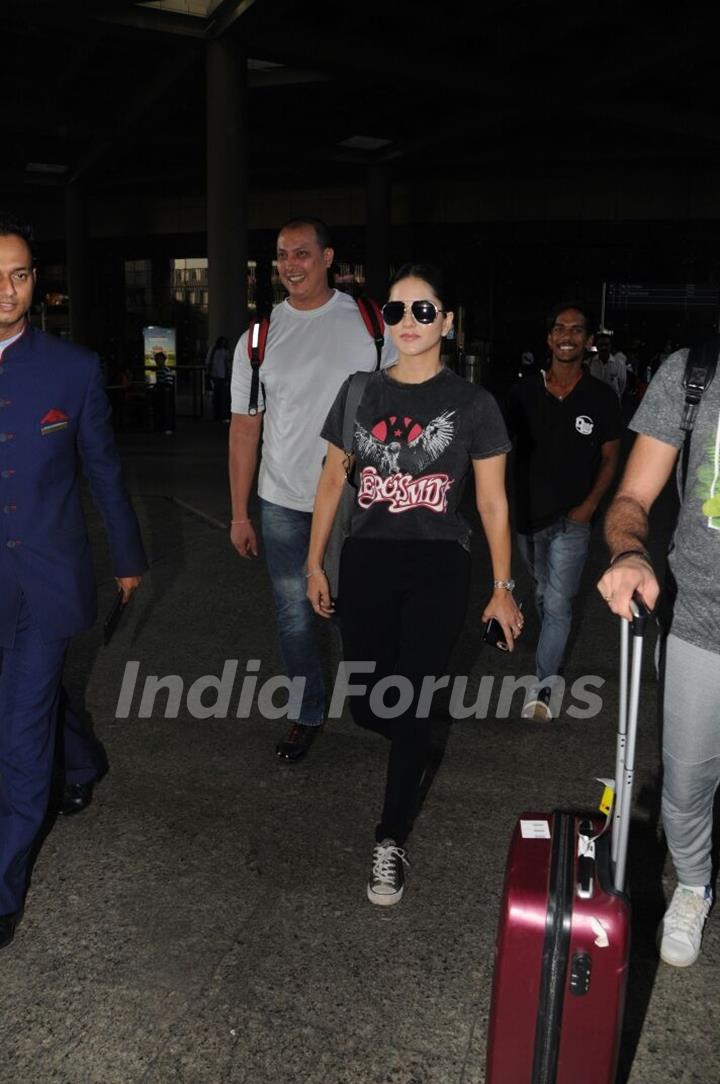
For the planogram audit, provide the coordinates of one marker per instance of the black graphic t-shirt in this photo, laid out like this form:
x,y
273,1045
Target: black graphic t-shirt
x,y
559,445
413,445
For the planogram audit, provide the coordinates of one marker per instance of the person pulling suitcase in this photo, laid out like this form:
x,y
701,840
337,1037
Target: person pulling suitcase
x,y
681,402
563,938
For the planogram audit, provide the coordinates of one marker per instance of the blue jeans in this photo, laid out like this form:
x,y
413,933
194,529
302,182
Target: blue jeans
x,y
286,535
555,556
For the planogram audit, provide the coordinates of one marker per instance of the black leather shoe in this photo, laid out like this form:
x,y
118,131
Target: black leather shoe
x,y
75,798
7,928
298,741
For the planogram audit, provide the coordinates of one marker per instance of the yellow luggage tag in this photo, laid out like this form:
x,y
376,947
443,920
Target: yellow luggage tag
x,y
606,803
607,800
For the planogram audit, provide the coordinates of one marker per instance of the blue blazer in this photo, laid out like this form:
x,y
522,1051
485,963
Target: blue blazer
x,y
53,406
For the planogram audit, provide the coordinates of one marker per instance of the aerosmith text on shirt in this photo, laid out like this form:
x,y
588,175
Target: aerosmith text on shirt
x,y
400,448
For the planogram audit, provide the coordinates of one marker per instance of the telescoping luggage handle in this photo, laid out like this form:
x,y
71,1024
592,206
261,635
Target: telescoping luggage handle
x,y
627,734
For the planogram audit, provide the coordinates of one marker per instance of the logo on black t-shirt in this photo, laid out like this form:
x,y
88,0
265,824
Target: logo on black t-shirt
x,y
400,448
396,443
584,425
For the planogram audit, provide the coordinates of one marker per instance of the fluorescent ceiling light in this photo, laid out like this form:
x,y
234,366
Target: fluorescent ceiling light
x,y
262,65
45,167
364,143
199,8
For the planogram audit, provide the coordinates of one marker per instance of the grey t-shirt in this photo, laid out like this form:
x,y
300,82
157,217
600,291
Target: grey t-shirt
x,y
309,353
695,556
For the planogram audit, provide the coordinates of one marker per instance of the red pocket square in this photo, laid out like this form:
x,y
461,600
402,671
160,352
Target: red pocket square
x,y
53,416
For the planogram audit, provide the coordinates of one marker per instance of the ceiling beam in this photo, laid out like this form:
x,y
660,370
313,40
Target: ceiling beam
x,y
225,15
170,22
672,120
150,19
282,77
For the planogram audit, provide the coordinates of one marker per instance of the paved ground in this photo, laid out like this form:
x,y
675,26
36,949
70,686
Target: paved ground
x,y
205,920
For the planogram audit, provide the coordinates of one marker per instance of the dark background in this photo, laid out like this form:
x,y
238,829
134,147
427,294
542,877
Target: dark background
x,y
537,148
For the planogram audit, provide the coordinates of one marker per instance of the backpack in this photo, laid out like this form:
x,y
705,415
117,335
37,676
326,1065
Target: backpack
x,y
258,333
699,372
348,499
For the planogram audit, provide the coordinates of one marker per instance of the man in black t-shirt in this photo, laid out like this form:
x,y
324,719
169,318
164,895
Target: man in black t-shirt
x,y
566,425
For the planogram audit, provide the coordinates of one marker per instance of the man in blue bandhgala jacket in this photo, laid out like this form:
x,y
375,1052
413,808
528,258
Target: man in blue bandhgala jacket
x,y
52,407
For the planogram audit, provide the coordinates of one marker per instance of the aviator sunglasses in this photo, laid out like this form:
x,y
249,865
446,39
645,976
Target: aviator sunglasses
x,y
424,312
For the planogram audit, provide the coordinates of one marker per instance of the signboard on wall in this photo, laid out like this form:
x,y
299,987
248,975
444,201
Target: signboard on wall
x,y
159,347
640,295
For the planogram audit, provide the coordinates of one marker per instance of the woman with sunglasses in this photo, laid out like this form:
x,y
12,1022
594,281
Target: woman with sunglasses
x,y
405,569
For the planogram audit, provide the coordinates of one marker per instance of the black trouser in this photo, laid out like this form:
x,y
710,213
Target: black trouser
x,y
164,407
402,606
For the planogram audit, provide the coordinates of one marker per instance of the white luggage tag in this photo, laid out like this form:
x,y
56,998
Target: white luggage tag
x,y
586,843
586,866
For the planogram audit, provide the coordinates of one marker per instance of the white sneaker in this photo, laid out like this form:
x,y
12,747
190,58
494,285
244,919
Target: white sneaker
x,y
387,879
539,707
681,929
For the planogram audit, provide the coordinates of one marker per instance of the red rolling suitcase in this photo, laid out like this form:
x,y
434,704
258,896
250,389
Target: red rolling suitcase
x,y
563,938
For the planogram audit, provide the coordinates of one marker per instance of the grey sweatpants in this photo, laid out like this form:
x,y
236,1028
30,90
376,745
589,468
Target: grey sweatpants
x,y
691,756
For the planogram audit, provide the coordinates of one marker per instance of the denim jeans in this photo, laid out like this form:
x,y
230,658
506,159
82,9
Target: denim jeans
x,y
555,556
286,534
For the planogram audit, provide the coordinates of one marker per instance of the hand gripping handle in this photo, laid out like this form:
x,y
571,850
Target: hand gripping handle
x,y
641,615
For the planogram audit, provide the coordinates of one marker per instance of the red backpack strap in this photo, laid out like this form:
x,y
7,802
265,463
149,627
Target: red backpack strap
x,y
256,343
372,317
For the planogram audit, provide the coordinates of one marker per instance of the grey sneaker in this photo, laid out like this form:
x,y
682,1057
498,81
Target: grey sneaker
x,y
681,929
539,707
387,879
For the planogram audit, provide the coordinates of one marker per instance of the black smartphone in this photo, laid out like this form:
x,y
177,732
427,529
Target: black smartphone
x,y
494,634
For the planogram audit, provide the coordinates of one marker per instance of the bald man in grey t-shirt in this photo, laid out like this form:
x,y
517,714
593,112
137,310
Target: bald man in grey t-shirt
x,y
316,339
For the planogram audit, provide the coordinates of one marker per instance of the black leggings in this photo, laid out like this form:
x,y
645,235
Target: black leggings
x,y
402,606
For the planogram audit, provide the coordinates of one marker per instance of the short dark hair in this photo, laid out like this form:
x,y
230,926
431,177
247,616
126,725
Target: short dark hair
x,y
429,273
11,226
322,230
563,306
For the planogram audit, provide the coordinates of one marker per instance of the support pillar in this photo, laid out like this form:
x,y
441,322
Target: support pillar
x,y
227,188
377,232
77,263
161,287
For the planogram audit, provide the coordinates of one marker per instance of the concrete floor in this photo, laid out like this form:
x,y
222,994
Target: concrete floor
x,y
205,920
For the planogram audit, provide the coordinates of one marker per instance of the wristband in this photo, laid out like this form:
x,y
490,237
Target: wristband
x,y
233,522
507,585
314,572
643,554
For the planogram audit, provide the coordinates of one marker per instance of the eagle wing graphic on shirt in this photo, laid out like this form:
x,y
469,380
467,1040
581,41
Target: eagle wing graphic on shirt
x,y
383,456
415,455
